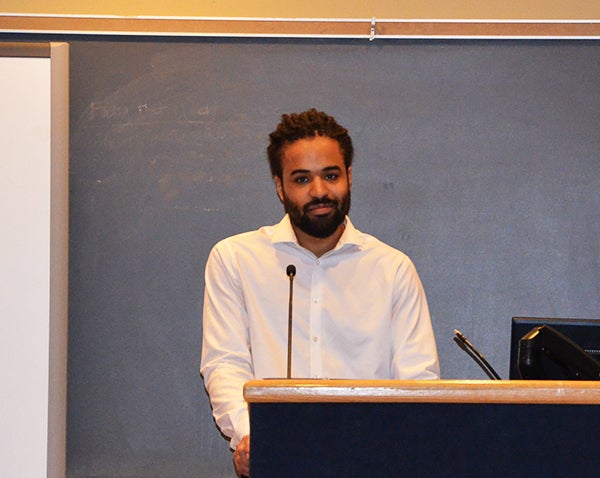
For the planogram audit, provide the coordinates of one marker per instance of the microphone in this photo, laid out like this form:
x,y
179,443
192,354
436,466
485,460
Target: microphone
x,y
479,359
291,272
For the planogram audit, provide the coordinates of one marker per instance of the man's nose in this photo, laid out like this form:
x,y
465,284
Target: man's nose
x,y
318,188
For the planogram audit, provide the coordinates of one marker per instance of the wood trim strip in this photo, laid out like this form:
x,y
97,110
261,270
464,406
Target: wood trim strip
x,y
222,27
487,29
25,50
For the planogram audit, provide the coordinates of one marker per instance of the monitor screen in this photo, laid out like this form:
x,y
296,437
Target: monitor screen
x,y
583,332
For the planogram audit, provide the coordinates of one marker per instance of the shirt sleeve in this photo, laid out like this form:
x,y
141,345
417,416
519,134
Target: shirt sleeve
x,y
226,363
414,352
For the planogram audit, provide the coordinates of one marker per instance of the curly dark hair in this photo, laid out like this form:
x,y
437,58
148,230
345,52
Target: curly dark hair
x,y
307,124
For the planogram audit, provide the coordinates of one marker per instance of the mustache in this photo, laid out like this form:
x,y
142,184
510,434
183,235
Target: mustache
x,y
319,202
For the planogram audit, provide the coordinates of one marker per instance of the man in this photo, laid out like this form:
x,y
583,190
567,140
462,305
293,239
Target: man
x,y
359,308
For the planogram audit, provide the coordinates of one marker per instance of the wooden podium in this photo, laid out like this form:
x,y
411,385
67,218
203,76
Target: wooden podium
x,y
442,428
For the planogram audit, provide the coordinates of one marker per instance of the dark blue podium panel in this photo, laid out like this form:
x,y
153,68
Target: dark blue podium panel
x,y
424,440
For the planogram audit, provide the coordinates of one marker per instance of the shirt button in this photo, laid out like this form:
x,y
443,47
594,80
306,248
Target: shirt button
x,y
315,339
316,300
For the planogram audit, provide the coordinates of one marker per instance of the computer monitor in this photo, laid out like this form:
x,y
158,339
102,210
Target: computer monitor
x,y
584,333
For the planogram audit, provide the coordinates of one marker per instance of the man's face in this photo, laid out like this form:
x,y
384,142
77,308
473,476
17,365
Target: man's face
x,y
315,185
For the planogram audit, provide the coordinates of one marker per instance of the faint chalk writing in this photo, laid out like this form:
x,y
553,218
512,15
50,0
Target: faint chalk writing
x,y
104,111
146,109
100,111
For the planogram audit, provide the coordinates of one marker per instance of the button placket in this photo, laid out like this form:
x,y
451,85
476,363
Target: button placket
x,y
316,318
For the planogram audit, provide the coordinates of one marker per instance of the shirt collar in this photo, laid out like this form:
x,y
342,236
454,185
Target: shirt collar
x,y
284,233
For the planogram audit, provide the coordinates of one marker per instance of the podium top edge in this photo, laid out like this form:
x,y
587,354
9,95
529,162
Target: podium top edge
x,y
423,391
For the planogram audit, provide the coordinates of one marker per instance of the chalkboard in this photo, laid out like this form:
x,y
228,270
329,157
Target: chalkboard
x,y
478,159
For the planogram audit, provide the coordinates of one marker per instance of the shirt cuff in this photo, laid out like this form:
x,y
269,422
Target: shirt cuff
x,y
242,429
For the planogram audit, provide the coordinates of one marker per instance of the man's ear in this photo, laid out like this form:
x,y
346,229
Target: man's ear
x,y
349,174
279,187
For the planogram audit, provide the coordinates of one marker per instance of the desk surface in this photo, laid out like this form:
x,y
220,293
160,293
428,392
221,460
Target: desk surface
x,y
425,391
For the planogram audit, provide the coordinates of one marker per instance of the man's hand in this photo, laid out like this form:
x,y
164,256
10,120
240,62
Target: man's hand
x,y
241,457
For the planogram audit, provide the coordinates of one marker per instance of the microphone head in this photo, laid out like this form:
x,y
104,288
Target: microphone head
x,y
291,270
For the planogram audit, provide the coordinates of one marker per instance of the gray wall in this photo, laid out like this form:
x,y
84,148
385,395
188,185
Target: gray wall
x,y
478,159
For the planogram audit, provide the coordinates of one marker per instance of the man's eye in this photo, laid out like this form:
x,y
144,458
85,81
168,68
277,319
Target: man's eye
x,y
331,177
301,179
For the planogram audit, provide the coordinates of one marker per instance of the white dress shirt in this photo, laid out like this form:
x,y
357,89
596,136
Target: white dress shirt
x,y
359,312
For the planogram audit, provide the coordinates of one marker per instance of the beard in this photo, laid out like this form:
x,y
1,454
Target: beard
x,y
318,226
